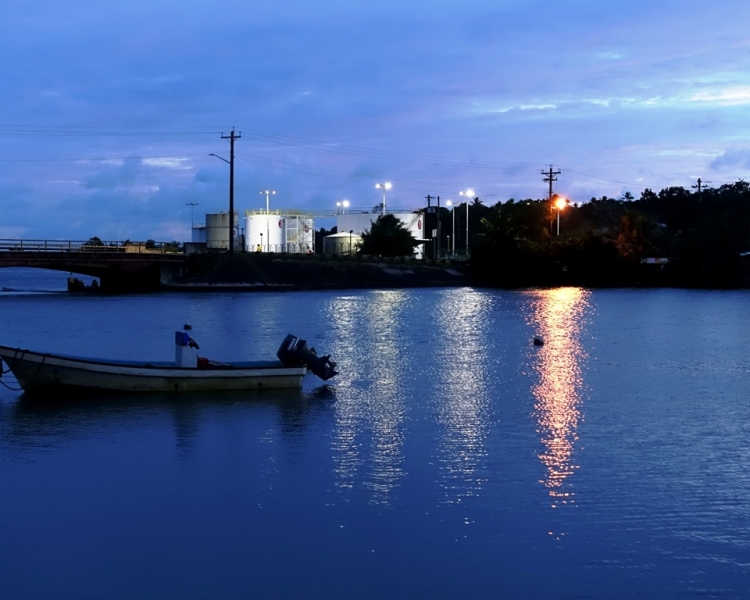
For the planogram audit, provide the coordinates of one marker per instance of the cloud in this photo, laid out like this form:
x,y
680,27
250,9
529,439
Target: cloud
x,y
111,177
436,96
731,159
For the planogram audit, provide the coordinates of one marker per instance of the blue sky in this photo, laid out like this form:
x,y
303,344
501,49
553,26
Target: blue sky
x,y
109,110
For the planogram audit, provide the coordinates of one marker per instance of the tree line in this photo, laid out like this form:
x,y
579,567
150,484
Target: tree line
x,y
673,237
699,238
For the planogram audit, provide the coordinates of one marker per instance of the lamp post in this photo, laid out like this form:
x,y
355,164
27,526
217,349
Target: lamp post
x,y
469,194
192,205
383,186
342,206
268,193
351,231
560,204
453,228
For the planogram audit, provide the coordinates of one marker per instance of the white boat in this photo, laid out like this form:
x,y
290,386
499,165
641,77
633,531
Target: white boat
x,y
37,371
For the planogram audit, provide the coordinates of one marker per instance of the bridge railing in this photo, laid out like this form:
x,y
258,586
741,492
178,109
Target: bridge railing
x,y
148,247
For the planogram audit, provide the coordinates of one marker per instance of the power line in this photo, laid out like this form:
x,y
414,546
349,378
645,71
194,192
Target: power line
x,y
608,180
360,151
97,159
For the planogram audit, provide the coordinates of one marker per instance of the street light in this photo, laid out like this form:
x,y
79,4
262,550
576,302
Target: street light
x,y
469,194
384,186
268,211
191,205
267,193
453,229
342,206
560,204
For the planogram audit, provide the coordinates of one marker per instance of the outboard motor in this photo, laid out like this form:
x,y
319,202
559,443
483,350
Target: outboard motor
x,y
294,352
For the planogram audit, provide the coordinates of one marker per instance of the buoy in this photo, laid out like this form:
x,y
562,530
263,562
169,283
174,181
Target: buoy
x,y
187,326
538,341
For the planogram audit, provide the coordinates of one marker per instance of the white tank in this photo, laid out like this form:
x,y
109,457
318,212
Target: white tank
x,y
217,230
263,232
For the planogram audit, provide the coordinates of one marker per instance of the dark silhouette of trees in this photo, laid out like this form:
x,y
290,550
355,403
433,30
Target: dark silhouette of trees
x,y
704,237
388,237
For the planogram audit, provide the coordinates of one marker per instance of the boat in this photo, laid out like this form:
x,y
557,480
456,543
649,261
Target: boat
x,y
42,371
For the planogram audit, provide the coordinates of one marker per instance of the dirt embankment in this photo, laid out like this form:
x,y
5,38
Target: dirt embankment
x,y
269,271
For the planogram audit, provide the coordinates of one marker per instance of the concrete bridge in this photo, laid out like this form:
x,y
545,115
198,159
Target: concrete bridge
x,y
120,266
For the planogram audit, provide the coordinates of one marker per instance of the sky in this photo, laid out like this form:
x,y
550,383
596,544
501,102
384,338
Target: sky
x,y
110,111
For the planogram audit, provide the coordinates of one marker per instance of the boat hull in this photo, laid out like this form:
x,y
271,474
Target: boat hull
x,y
36,371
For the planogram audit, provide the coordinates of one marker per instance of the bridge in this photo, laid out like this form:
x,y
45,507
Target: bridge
x,y
118,265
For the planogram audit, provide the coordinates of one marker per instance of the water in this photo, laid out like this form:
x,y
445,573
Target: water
x,y
451,458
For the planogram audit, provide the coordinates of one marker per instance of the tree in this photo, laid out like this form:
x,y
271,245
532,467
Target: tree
x,y
388,237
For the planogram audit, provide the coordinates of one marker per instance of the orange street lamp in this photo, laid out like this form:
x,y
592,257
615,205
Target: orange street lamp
x,y
560,204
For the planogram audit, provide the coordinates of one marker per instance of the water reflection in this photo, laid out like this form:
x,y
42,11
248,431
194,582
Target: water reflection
x,y
41,422
462,391
368,348
558,316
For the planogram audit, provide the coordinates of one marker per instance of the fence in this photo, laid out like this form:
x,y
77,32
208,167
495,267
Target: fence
x,y
291,248
149,247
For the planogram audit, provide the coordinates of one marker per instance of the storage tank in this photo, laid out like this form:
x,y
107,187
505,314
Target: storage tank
x,y
263,231
217,231
341,244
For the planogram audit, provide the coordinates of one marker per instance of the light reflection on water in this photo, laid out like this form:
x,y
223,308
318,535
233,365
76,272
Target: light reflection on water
x,y
425,469
559,316
374,321
462,393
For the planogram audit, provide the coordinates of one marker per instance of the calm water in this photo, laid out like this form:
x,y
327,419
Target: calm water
x,y
450,459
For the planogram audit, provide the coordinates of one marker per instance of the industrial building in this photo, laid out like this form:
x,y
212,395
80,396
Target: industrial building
x,y
293,232
279,231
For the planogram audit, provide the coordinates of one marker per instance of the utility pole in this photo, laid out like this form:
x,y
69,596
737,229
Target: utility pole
x,y
429,210
700,186
231,137
550,178
437,253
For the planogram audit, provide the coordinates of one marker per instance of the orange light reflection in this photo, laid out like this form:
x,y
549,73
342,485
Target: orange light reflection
x,y
558,316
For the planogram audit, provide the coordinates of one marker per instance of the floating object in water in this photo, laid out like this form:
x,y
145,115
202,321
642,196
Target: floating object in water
x,y
538,341
187,326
